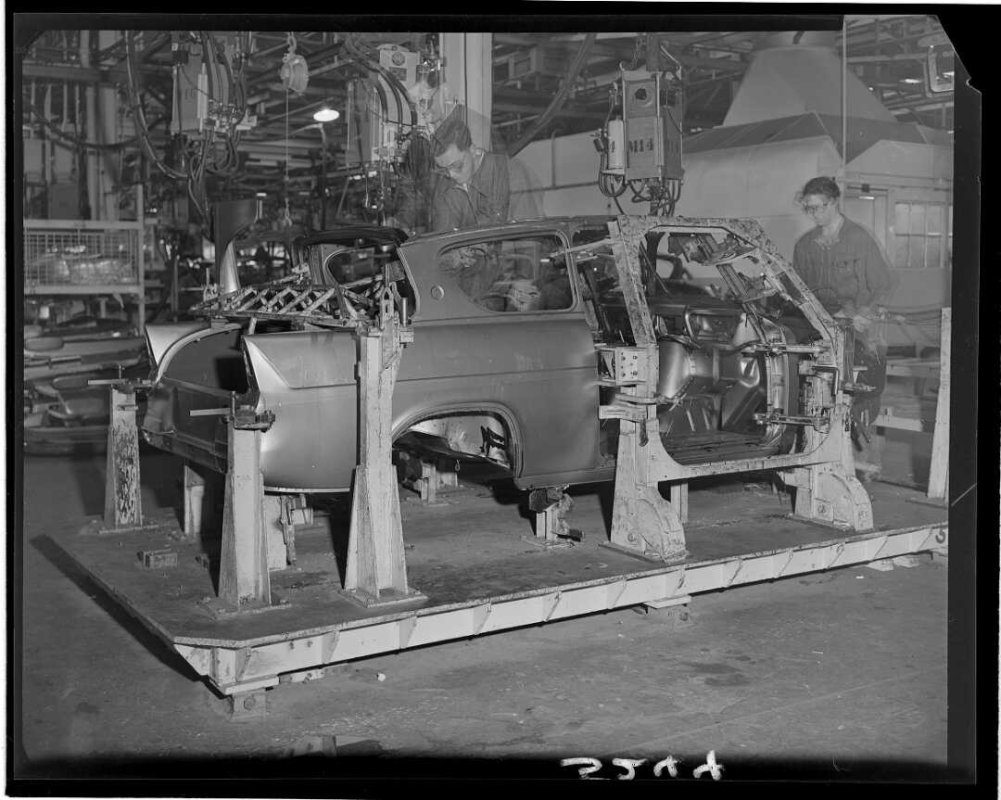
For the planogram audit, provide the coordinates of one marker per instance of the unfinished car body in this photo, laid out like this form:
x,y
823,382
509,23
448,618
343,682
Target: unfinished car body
x,y
506,365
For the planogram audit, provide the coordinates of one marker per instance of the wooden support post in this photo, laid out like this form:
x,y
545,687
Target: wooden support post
x,y
243,562
194,500
274,532
448,477
122,496
376,571
434,478
429,482
679,499
938,476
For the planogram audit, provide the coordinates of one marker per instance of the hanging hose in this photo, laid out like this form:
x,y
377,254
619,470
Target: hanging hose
x,y
400,93
561,96
139,116
73,140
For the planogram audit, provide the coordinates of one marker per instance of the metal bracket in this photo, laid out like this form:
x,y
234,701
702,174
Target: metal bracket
x,y
819,423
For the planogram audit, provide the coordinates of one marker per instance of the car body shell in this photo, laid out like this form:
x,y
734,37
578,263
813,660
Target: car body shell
x,y
536,372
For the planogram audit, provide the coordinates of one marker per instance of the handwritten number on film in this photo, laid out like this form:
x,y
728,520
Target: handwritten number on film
x,y
588,766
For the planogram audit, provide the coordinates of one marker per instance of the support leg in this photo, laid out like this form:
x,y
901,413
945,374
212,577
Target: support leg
x,y
122,498
248,706
448,477
274,509
643,522
673,611
830,494
938,476
243,562
433,479
551,507
679,499
429,482
194,499
376,566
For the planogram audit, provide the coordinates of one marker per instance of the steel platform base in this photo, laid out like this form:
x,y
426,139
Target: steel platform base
x,y
478,577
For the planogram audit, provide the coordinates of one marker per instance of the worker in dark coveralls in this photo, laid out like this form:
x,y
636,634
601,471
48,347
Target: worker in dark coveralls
x,y
473,188
844,267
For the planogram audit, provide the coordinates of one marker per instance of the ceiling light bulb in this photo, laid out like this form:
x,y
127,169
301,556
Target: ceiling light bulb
x,y
911,80
326,114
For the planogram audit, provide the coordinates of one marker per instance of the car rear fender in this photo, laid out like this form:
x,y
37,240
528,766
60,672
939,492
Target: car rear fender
x,y
164,342
301,360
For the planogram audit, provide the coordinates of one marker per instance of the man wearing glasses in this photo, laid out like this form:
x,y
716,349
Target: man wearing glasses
x,y
844,267
473,187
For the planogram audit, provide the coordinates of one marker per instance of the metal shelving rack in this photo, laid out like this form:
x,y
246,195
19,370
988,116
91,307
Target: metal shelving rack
x,y
85,258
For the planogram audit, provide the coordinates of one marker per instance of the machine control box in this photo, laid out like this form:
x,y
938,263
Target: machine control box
x,y
652,127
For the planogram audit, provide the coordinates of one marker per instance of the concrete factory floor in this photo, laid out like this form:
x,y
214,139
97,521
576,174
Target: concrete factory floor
x,y
844,672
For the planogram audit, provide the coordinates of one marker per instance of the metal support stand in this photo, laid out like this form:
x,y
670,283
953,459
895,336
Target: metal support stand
x,y
376,571
643,522
432,479
122,497
122,488
679,499
551,507
673,611
194,500
248,706
938,476
830,494
243,562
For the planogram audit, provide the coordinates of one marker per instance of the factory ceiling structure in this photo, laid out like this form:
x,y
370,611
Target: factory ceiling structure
x,y
890,54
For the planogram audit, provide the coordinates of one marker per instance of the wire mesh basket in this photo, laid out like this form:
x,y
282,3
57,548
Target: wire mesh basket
x,y
80,257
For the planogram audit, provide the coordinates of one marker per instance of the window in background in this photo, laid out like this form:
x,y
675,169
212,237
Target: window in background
x,y
923,234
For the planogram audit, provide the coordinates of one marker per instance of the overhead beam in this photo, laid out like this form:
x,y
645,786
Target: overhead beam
x,y
80,74
525,108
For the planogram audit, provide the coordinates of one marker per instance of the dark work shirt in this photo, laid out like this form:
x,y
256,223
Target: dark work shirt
x,y
847,275
485,203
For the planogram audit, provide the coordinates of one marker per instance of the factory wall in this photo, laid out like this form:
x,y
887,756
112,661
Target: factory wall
x,y
558,176
759,181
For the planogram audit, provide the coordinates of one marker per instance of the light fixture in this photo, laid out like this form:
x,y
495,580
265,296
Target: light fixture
x,y
911,80
326,114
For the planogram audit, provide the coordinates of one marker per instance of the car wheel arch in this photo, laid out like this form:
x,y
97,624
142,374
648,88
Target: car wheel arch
x,y
507,417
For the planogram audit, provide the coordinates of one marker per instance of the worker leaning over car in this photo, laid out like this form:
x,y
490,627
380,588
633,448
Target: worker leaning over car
x,y
844,267
473,187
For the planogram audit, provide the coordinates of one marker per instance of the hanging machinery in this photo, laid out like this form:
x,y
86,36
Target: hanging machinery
x,y
640,144
391,114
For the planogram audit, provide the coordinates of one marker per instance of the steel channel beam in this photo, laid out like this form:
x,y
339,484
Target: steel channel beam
x,y
235,670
